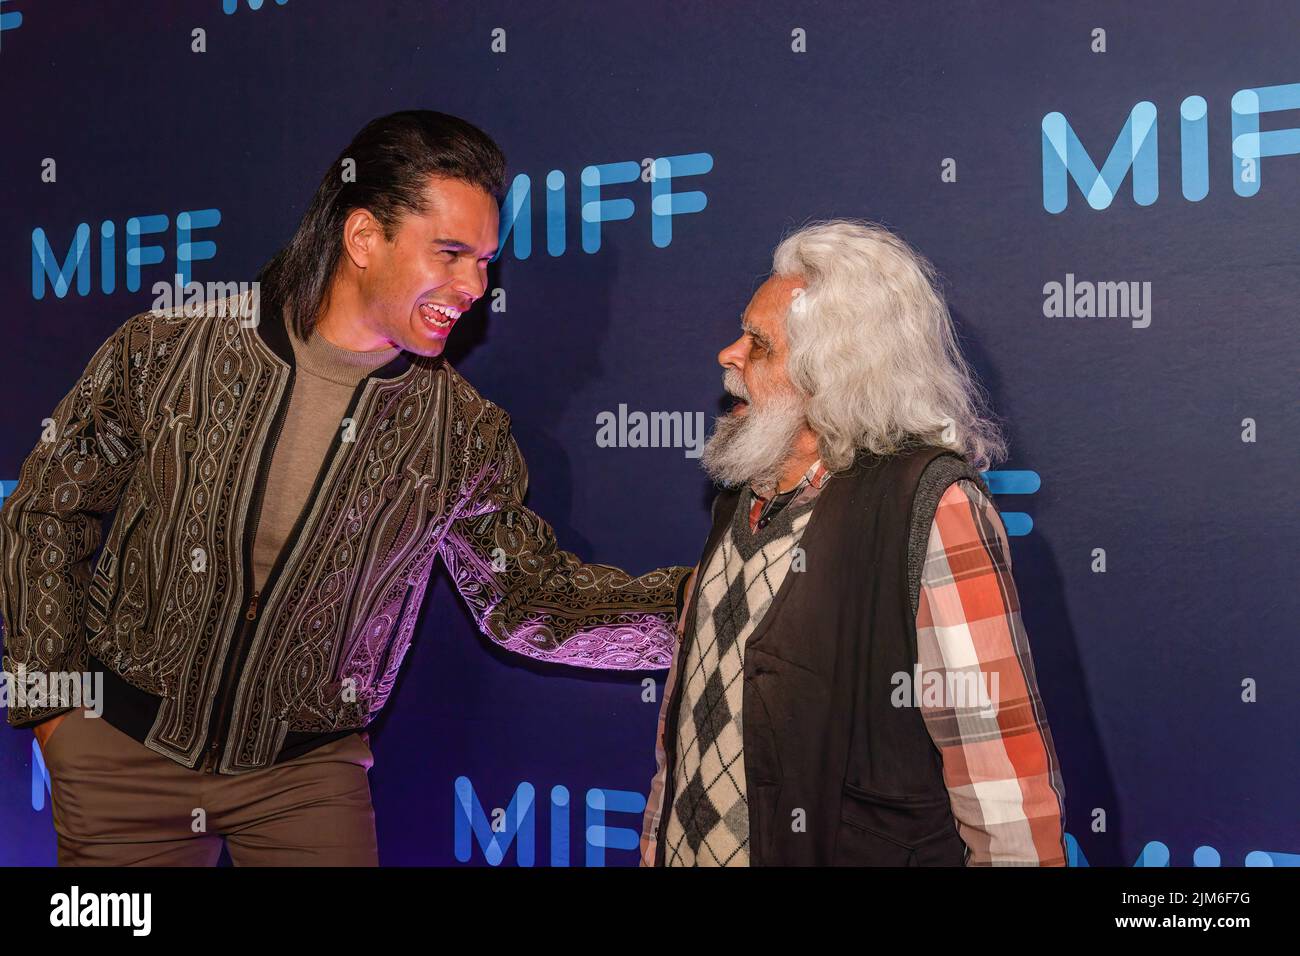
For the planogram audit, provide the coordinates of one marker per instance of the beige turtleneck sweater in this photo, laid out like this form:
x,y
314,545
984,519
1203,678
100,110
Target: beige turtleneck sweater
x,y
327,375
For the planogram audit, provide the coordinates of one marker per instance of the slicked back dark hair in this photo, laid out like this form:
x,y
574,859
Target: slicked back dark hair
x,y
395,156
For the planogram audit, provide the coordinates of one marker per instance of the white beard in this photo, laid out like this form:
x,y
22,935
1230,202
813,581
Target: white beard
x,y
753,448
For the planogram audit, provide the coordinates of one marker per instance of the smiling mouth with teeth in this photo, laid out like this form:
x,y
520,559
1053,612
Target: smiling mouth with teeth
x,y
440,317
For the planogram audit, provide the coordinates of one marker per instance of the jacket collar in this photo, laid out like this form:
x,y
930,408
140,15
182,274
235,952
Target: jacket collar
x,y
274,334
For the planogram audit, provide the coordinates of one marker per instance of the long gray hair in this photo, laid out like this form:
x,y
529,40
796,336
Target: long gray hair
x,y
873,347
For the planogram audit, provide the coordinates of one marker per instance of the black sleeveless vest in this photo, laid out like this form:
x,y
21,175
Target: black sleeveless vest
x,y
834,773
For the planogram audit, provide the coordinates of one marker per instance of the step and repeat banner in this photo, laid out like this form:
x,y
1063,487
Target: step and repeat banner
x,y
1111,192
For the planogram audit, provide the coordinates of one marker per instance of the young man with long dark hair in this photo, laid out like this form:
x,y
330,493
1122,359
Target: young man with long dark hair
x,y
282,489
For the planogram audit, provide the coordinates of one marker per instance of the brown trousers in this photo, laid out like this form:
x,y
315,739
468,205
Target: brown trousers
x,y
115,802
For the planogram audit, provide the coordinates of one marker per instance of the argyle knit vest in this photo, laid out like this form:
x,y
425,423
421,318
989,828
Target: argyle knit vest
x,y
834,773
709,822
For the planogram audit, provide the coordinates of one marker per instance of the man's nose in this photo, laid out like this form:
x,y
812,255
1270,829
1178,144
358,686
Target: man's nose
x,y
471,280
733,356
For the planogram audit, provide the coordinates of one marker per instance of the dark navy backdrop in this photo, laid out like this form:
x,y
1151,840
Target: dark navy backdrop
x,y
1135,433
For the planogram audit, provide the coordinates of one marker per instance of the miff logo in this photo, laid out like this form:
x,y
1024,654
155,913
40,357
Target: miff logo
x,y
230,6
594,209
516,823
1137,148
9,20
1156,854
1017,523
139,252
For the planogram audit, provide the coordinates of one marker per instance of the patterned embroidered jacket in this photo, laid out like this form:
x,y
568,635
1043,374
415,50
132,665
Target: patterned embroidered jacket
x,y
173,425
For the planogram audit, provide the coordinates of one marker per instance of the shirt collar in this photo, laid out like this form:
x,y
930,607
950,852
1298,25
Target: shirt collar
x,y
814,477
273,330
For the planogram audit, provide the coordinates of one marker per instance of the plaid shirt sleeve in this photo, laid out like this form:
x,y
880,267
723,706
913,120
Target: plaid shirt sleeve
x,y
999,763
654,803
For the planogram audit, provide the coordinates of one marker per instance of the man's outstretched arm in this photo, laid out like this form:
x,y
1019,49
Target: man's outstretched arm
x,y
533,598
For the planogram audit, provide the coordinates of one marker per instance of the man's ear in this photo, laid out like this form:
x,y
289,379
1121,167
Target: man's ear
x,y
361,231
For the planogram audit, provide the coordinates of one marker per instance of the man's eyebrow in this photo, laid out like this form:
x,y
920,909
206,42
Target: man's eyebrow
x,y
757,335
459,245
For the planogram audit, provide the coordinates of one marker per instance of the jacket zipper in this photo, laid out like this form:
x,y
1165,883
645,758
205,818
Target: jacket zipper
x,y
210,759
225,695
217,732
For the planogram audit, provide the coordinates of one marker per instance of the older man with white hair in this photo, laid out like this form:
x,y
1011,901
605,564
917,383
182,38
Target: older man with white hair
x,y
853,684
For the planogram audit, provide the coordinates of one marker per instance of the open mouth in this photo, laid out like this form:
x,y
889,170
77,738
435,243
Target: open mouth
x,y
440,317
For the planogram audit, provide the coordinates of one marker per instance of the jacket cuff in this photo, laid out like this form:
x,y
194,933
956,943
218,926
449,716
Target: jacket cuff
x,y
25,718
27,715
